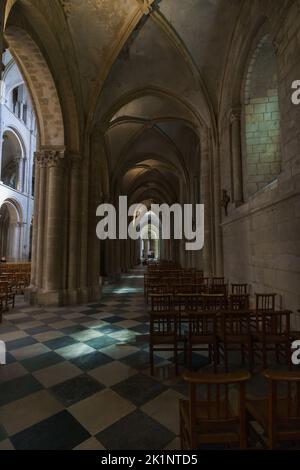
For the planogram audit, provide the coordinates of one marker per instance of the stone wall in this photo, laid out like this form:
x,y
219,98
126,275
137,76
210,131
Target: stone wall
x,y
261,113
261,237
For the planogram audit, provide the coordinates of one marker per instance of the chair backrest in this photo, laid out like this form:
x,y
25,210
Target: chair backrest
x,y
239,289
161,302
3,287
216,407
265,301
272,323
217,280
218,289
202,323
235,323
239,302
163,324
212,302
185,302
284,405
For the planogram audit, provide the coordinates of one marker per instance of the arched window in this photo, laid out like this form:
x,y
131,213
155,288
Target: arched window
x,y
262,121
19,102
12,162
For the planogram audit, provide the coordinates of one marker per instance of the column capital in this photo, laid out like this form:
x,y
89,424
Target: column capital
x,y
48,158
234,114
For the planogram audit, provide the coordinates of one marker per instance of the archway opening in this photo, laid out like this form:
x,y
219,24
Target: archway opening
x,y
10,231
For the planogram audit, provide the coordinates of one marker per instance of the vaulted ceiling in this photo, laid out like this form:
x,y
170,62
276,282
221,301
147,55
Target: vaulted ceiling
x,y
148,73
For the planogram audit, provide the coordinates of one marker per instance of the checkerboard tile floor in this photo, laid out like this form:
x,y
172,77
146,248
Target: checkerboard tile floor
x,y
78,377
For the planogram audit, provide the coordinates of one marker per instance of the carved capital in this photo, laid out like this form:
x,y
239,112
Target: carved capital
x,y
49,158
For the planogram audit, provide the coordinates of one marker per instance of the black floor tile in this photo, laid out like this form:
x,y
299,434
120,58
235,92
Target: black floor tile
x,y
70,330
20,343
143,329
114,319
18,388
61,342
60,432
40,362
137,431
139,389
140,360
76,389
38,330
91,361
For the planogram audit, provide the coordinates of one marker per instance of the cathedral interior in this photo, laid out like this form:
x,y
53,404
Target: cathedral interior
x,y
141,344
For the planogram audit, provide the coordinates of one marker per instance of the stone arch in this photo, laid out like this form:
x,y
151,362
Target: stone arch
x,y
11,222
13,158
40,84
151,91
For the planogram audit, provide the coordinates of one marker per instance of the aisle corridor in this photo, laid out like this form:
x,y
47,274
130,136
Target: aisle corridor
x,y
78,377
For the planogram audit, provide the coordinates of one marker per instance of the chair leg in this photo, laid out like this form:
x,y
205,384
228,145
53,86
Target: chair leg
x,y
226,358
243,354
176,358
190,354
151,360
265,355
215,356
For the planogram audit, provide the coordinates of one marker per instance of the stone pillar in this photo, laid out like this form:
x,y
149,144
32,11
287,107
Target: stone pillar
x,y
74,219
206,200
49,228
236,155
54,223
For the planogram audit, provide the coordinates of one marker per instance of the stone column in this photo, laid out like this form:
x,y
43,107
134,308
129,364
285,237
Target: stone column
x,y
74,218
49,228
54,224
39,219
206,197
236,155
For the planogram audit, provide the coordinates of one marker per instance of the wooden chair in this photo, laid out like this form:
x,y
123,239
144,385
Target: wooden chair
x,y
265,302
214,419
7,296
219,289
186,302
279,412
161,302
214,302
217,280
239,302
164,335
272,334
295,334
235,335
239,289
202,336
